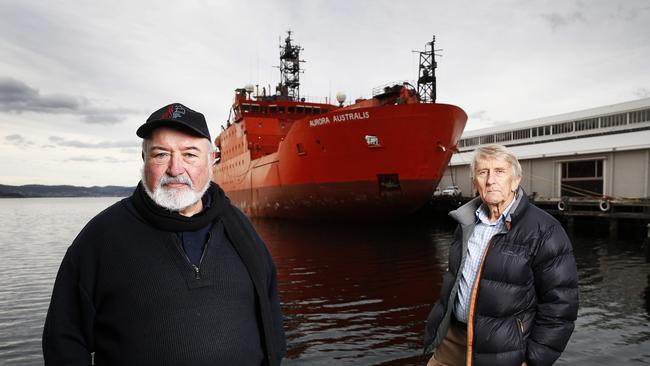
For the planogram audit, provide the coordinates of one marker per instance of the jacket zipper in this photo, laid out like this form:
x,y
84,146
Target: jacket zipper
x,y
470,317
521,326
520,323
195,268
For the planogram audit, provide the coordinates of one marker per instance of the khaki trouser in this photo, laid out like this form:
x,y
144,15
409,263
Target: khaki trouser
x,y
453,349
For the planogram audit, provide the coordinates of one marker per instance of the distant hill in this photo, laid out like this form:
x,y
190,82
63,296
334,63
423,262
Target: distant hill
x,y
38,190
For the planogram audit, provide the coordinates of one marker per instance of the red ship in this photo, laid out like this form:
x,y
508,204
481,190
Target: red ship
x,y
284,157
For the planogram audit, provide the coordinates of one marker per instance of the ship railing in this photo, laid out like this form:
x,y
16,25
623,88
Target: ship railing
x,y
381,89
303,98
314,99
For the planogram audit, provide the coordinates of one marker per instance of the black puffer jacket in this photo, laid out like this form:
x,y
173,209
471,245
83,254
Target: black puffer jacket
x,y
527,297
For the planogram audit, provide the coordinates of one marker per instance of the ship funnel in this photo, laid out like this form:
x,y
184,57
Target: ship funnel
x,y
340,97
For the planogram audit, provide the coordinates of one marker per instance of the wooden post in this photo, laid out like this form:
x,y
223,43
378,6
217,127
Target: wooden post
x,y
613,229
570,226
647,247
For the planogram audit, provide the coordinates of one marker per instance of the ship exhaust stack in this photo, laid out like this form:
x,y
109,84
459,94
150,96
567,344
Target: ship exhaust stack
x,y
427,73
290,69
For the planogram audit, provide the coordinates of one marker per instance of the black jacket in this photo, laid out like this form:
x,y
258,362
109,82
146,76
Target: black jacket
x,y
126,292
527,297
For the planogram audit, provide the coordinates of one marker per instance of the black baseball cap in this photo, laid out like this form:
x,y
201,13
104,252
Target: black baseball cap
x,y
176,116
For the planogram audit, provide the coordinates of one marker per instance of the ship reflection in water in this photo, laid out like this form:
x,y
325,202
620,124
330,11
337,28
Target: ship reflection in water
x,y
360,294
354,294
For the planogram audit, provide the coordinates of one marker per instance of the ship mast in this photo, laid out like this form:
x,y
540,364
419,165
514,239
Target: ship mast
x,y
427,73
290,69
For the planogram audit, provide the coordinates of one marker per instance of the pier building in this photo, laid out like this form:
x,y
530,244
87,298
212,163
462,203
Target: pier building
x,y
601,153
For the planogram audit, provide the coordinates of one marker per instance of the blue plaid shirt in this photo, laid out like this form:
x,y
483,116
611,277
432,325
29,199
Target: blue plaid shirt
x,y
476,246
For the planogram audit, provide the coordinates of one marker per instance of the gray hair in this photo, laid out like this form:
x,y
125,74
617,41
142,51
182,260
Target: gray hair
x,y
499,152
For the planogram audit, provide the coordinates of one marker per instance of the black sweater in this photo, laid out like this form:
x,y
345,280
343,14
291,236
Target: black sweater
x,y
126,292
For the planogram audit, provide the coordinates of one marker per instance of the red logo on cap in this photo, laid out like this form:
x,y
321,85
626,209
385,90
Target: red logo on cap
x,y
174,111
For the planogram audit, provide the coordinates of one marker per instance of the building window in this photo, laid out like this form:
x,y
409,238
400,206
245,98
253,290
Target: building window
x,y
503,136
487,139
582,178
640,116
470,141
587,124
521,134
565,127
613,120
541,131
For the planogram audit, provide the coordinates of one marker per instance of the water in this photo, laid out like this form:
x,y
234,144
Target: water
x,y
350,294
355,295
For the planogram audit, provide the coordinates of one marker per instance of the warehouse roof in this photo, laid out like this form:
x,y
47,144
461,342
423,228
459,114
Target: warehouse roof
x,y
622,126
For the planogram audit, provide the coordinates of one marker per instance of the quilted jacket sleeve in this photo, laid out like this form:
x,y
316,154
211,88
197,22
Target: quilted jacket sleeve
x,y
556,285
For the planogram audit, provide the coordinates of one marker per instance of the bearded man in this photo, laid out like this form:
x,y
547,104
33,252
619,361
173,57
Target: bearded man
x,y
173,275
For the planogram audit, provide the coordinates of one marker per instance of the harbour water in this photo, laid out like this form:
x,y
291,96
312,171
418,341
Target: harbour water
x,y
351,295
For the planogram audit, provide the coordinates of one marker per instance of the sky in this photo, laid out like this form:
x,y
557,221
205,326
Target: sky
x,y
77,78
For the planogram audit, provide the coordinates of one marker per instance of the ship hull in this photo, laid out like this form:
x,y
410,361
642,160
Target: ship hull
x,y
348,200
365,163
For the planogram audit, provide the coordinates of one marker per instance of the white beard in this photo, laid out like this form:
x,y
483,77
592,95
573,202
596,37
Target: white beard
x,y
174,199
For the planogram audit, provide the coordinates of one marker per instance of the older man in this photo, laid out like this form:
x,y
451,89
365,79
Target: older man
x,y
510,296
173,275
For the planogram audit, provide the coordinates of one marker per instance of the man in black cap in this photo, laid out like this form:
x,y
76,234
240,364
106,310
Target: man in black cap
x,y
173,275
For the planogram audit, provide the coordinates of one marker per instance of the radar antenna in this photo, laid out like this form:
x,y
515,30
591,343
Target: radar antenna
x,y
290,69
427,73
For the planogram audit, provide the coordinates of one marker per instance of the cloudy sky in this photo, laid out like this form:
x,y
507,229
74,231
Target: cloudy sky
x,y
78,77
